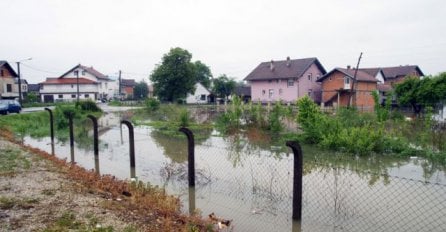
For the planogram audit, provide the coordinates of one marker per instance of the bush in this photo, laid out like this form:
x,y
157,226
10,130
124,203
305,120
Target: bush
x,y
88,106
152,104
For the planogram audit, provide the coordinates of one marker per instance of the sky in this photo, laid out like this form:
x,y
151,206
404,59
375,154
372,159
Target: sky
x,y
230,36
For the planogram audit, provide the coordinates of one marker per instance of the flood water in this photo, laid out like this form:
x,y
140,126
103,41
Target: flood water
x,y
251,182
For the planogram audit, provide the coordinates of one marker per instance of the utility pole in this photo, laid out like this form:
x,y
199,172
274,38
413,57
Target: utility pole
x,y
354,84
20,83
77,80
19,80
119,89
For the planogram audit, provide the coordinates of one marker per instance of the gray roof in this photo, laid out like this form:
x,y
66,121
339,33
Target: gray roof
x,y
6,64
282,70
360,75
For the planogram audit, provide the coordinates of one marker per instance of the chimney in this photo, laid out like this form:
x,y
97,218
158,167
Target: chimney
x,y
348,67
271,66
288,61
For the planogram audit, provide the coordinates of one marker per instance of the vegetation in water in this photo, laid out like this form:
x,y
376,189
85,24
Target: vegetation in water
x,y
37,124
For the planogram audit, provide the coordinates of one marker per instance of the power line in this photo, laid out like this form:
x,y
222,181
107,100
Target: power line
x,y
40,70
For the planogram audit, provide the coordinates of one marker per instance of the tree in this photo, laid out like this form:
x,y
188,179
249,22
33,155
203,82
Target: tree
x,y
140,91
407,93
202,74
223,86
175,76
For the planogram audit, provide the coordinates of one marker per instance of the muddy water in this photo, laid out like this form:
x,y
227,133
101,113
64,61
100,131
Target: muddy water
x,y
250,182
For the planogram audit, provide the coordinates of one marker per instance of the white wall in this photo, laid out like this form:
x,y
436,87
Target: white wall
x,y
196,98
68,88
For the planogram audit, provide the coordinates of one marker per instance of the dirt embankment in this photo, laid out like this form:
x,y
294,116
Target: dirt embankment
x,y
39,192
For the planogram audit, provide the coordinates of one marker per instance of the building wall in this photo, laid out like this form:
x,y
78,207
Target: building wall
x,y
196,98
364,98
5,79
68,88
67,97
278,89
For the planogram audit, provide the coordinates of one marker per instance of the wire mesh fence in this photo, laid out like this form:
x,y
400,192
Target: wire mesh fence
x,y
254,188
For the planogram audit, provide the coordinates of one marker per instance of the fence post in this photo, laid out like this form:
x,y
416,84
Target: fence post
x,y
132,147
95,141
297,179
51,124
191,155
70,123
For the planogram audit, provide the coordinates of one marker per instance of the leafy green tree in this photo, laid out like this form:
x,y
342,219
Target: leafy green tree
x,y
31,97
407,93
224,86
203,74
141,90
175,76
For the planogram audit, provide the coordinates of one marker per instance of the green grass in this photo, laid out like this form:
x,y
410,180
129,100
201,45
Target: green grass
x,y
11,159
69,221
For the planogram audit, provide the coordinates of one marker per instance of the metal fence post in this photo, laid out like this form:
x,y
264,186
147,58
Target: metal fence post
x,y
191,155
95,140
297,179
51,124
132,147
70,123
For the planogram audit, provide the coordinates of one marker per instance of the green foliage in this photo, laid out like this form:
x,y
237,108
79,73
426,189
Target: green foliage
x,y
382,113
184,118
275,118
31,97
152,104
88,105
175,76
203,74
224,86
311,120
141,90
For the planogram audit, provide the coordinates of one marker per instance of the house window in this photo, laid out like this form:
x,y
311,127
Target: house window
x,y
2,72
73,95
76,73
346,80
290,82
310,77
86,95
8,88
203,97
263,92
60,96
72,86
280,91
271,93
329,78
83,73
269,81
24,88
318,76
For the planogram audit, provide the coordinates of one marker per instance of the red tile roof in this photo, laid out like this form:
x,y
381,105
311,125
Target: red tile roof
x,y
281,70
360,75
90,70
384,87
61,81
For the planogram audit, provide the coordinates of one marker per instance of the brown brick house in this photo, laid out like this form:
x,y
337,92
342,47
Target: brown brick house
x,y
337,86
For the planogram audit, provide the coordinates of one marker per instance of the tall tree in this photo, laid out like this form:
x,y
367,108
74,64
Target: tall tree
x,y
407,93
224,86
141,90
203,74
175,76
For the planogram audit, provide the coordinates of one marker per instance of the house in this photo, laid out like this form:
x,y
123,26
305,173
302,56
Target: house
x,y
201,95
90,84
127,88
244,92
337,88
389,76
286,80
8,88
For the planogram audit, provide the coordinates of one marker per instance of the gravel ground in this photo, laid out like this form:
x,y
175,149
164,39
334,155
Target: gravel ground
x,y
36,196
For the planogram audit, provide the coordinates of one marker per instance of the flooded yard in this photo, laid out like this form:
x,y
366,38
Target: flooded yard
x,y
251,183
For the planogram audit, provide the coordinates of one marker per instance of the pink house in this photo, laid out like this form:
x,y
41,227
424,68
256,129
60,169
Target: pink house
x,y
286,80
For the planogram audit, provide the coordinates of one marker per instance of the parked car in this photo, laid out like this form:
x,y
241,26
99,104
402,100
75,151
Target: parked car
x,y
13,106
3,108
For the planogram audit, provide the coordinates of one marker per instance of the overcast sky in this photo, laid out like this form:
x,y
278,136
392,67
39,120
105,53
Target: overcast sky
x,y
230,36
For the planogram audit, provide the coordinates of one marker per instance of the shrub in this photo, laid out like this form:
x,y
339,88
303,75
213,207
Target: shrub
x,y
88,106
152,104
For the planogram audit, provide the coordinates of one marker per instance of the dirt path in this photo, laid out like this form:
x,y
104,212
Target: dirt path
x,y
39,192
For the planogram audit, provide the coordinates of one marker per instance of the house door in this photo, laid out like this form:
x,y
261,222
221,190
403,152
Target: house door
x,y
48,98
346,82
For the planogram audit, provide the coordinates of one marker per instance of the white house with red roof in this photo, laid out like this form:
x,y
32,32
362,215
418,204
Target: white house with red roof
x,y
91,83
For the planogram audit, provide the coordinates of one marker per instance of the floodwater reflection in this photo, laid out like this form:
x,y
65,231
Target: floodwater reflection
x,y
246,178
